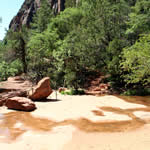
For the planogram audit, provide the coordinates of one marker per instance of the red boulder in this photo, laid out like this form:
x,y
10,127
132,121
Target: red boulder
x,y
41,91
20,103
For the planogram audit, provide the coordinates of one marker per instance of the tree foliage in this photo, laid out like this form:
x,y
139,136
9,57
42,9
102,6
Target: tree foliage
x,y
42,17
88,36
136,61
70,3
16,46
139,20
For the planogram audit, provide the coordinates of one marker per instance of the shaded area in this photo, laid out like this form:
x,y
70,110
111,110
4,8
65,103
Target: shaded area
x,y
98,113
47,100
144,100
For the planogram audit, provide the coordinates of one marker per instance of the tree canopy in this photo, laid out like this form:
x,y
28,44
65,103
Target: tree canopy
x,y
107,36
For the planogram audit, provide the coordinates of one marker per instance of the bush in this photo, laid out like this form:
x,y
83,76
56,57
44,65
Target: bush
x,y
7,70
137,92
73,92
136,62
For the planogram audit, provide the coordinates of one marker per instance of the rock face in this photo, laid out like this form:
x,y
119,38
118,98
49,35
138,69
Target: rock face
x,y
41,91
20,103
29,8
14,86
96,86
6,95
14,91
2,101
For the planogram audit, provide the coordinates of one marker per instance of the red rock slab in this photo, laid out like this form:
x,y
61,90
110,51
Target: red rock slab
x,y
20,103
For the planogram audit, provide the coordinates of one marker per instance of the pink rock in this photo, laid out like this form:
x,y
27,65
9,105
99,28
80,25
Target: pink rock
x,y
41,91
103,86
2,101
14,79
62,89
20,103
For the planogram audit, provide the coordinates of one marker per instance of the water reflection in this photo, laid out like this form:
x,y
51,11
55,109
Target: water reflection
x,y
144,100
14,124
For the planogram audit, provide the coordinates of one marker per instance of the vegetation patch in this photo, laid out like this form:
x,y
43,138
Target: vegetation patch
x,y
111,37
73,92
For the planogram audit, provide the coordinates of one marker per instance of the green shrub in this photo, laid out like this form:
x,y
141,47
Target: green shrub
x,y
7,70
73,92
137,92
136,62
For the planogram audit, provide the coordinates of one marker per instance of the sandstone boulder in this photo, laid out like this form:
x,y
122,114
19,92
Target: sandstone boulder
x,y
20,103
2,101
41,91
9,94
14,79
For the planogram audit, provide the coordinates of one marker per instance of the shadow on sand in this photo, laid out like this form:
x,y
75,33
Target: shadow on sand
x,y
48,100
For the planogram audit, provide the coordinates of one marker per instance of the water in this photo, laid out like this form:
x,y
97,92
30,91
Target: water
x,y
16,123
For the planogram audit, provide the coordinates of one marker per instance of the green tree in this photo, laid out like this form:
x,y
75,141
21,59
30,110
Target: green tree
x,y
102,27
17,46
42,17
88,45
8,66
136,62
139,20
131,2
67,58
79,40
40,54
9,69
42,47
95,42
70,3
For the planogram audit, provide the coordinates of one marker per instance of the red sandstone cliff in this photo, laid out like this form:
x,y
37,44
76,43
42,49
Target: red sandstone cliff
x,y
29,8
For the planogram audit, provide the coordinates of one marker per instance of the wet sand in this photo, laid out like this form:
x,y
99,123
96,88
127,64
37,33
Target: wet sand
x,y
79,122
133,140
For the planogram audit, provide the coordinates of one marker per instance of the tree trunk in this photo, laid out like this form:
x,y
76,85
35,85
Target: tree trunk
x,y
23,56
56,94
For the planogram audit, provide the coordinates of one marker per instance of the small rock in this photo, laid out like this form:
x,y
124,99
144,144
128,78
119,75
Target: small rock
x,y
103,86
62,89
20,103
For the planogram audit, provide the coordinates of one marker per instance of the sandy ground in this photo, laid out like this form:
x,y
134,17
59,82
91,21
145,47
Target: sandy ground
x,y
77,123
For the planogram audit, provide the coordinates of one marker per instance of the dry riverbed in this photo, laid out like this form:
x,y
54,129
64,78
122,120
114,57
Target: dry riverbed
x,y
78,123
